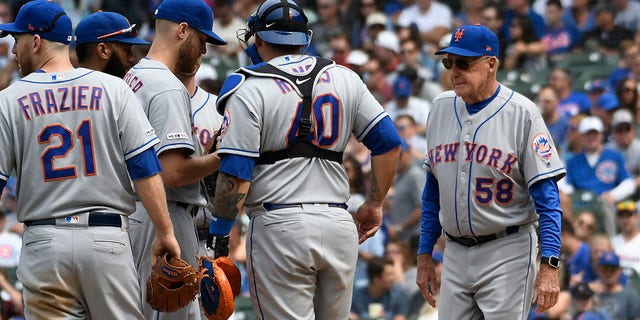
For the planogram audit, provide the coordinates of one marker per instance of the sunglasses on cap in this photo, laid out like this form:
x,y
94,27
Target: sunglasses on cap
x,y
131,30
462,64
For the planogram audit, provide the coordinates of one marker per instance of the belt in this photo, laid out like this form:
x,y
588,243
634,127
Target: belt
x,y
191,209
95,220
472,241
276,206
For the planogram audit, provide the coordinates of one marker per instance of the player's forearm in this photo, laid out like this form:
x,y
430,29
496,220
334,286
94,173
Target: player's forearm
x,y
383,170
151,192
230,195
179,170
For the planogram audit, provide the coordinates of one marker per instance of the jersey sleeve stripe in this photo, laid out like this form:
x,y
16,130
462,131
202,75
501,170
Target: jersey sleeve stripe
x,y
5,176
63,81
141,148
371,124
242,152
560,172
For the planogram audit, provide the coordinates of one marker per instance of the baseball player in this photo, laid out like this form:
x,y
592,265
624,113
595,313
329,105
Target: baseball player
x,y
491,166
75,137
286,123
182,28
104,41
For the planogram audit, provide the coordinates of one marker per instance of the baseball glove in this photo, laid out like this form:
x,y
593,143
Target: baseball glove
x,y
216,293
173,283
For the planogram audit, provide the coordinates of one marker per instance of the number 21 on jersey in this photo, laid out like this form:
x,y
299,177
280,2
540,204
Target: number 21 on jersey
x,y
61,141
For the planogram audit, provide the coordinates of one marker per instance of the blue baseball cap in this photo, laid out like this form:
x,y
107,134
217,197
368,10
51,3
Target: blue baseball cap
x,y
609,259
103,26
194,12
402,87
608,101
44,18
472,41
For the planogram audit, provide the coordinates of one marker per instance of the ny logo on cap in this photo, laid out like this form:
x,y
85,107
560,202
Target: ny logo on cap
x,y
458,35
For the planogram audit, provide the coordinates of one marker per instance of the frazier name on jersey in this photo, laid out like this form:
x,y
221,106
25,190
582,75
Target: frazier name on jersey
x,y
61,99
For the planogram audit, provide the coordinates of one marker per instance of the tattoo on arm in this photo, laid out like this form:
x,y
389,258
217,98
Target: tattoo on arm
x,y
227,197
374,191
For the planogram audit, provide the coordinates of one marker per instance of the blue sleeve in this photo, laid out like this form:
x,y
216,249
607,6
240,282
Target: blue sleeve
x,y
382,137
237,166
547,201
2,184
144,164
430,228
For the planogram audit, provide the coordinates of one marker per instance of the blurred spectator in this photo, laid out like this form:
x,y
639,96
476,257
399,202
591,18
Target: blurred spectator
x,y
616,300
584,225
376,23
626,244
559,38
329,23
12,307
403,267
598,244
374,77
10,245
357,185
580,16
9,206
628,50
339,48
386,48
411,58
575,251
430,18
405,102
360,152
244,8
557,122
381,299
571,102
493,18
470,14
408,130
606,37
521,8
573,143
625,141
599,171
627,93
226,24
595,88
627,14
525,52
606,105
540,6
356,61
406,208
584,304
359,30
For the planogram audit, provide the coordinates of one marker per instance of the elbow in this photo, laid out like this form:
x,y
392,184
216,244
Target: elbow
x,y
172,179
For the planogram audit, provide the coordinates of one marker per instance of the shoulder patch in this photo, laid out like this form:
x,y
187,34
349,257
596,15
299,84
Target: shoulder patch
x,y
541,146
230,85
226,121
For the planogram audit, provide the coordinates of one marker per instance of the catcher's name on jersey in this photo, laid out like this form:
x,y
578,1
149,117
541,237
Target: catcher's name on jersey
x,y
60,99
472,152
133,81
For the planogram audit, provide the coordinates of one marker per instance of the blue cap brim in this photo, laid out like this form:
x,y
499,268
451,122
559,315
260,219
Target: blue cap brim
x,y
459,51
213,38
284,37
9,28
133,41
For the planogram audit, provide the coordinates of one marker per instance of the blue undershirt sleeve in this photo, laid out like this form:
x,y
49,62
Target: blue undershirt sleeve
x,y
430,228
382,137
2,184
144,164
237,166
547,201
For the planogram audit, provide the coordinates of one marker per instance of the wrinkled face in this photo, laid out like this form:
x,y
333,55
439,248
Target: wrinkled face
x,y
468,77
190,54
23,49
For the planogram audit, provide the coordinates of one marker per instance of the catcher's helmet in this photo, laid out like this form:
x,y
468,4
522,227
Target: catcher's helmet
x,y
280,22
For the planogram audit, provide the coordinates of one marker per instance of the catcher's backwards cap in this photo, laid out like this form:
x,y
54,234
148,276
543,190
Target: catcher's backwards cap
x,y
280,22
103,26
44,18
194,12
472,41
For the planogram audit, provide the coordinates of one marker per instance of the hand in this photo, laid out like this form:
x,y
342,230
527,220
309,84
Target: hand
x,y
546,288
218,245
426,279
164,244
368,219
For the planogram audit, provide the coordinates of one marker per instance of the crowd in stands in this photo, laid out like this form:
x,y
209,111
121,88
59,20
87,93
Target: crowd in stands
x,y
578,60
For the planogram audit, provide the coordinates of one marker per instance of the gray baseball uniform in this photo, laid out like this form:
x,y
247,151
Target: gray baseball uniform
x,y
68,136
166,102
484,174
298,229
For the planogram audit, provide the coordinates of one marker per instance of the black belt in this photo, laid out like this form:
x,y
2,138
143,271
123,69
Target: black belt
x,y
276,206
472,241
95,220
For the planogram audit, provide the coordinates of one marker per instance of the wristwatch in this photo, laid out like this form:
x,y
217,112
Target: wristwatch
x,y
553,261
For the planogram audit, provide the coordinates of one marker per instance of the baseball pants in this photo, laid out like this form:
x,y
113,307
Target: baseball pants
x,y
301,262
142,234
73,271
493,280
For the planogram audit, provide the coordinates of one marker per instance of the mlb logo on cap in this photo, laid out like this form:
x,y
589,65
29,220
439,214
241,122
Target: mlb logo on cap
x,y
472,41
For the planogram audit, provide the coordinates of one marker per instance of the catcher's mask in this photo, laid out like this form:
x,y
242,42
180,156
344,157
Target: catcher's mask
x,y
278,22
